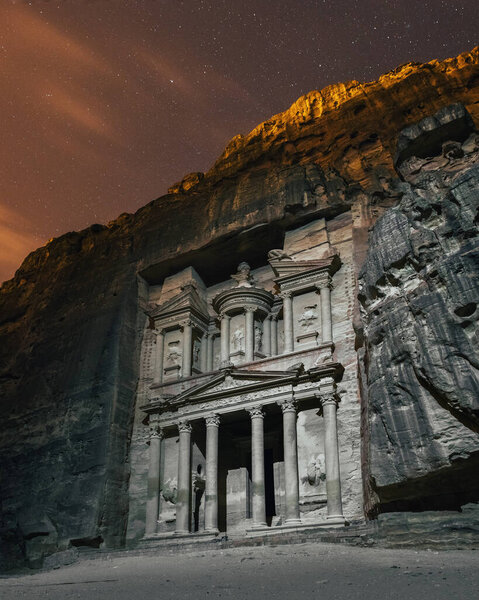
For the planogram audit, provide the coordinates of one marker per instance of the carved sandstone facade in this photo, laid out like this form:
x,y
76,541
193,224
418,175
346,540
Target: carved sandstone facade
x,y
244,389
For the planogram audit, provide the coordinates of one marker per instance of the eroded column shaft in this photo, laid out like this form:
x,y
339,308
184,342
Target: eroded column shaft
x,y
257,467
211,485
153,490
290,463
331,455
288,323
183,501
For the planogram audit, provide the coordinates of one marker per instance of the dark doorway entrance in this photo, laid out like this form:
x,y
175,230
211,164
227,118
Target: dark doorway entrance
x,y
269,485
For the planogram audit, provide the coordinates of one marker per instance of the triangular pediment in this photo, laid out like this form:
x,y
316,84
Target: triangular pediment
x,y
236,381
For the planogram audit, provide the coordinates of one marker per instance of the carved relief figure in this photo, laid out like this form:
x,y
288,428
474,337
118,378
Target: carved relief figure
x,y
169,491
174,354
237,340
258,338
308,315
315,471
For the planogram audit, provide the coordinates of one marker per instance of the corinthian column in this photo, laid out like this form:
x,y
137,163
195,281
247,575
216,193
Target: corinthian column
x,y
257,466
329,405
184,479
159,351
288,321
225,339
326,320
267,336
153,494
211,485
187,348
274,336
291,477
249,334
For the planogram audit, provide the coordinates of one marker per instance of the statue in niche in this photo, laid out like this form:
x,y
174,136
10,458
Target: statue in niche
x,y
196,352
237,340
258,338
174,354
308,316
315,471
243,276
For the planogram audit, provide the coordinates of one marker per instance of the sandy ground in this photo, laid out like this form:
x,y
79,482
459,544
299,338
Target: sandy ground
x,y
323,571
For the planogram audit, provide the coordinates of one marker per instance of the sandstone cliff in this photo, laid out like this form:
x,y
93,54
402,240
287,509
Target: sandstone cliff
x,y
70,319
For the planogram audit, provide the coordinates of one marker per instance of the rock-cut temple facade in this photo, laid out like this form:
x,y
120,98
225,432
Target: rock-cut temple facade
x,y
247,410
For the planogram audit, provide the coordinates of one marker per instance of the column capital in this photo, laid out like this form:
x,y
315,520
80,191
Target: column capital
x,y
256,412
158,332
286,295
329,399
223,315
324,281
213,420
186,323
184,427
288,405
250,309
154,429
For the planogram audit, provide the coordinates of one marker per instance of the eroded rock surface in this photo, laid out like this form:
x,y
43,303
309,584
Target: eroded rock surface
x,y
419,290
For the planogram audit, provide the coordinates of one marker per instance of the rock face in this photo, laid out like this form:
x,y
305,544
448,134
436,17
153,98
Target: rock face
x,y
72,318
419,293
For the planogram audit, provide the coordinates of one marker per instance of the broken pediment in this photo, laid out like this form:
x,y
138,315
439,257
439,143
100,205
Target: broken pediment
x,y
187,301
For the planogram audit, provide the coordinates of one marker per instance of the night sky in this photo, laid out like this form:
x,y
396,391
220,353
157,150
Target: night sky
x,y
105,103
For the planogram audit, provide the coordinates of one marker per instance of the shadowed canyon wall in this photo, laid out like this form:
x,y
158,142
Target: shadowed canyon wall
x,y
71,319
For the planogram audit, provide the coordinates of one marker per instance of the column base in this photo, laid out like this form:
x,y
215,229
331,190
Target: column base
x,y
336,519
212,531
259,525
182,532
293,522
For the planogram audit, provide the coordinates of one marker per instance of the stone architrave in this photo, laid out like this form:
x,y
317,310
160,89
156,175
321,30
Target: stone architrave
x,y
153,490
184,479
211,487
257,464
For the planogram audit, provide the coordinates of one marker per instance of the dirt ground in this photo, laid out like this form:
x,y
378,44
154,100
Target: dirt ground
x,y
323,571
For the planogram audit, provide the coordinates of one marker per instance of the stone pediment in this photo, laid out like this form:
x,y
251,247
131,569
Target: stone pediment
x,y
235,381
187,300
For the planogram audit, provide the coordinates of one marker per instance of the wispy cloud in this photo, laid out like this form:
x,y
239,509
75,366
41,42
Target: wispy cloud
x,y
15,241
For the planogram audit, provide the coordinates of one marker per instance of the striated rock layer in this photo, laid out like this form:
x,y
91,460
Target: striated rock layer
x,y
420,304
71,318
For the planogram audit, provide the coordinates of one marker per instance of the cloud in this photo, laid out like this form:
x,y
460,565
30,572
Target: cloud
x,y
16,241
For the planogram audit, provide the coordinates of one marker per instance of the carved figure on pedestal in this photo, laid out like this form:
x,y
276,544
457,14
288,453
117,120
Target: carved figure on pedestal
x,y
243,276
258,338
